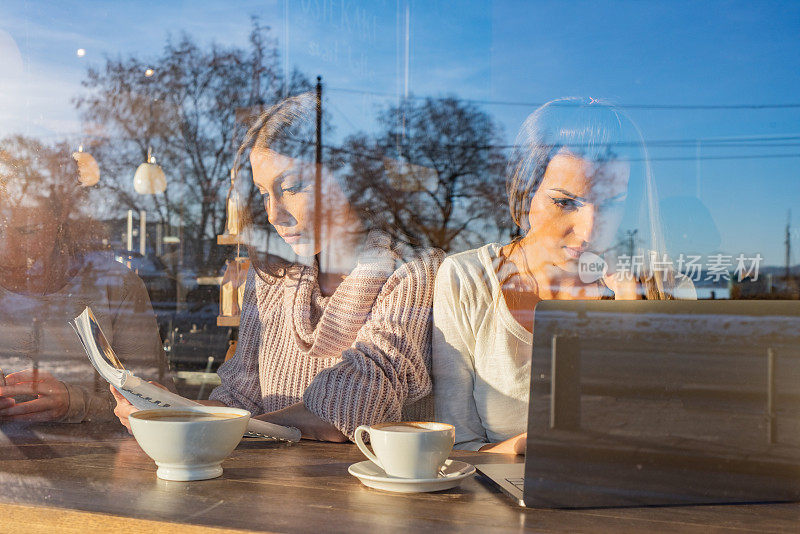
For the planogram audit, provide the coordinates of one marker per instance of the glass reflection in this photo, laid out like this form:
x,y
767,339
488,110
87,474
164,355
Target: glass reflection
x,y
577,177
53,264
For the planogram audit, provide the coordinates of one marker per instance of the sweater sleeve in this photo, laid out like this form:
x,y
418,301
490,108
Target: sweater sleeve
x,y
453,364
85,405
388,365
240,385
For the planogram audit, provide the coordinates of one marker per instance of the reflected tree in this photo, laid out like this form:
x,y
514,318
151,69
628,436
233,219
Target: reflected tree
x,y
33,173
191,105
434,175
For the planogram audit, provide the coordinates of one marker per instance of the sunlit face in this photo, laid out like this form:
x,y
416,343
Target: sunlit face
x,y
577,208
27,235
287,188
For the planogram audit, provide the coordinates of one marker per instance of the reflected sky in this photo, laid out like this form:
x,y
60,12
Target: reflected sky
x,y
510,56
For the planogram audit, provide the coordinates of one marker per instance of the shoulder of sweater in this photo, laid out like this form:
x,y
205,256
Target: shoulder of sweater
x,y
418,271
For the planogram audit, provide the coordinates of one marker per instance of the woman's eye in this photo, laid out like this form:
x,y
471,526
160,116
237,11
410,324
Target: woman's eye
x,y
566,203
294,188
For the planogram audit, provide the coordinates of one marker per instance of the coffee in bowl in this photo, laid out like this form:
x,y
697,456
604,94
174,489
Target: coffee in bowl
x,y
189,443
408,449
184,416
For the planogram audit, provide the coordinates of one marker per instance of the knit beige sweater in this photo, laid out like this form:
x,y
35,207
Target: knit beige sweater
x,y
360,356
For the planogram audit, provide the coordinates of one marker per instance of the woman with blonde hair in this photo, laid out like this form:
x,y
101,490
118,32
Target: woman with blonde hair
x,y
334,329
578,176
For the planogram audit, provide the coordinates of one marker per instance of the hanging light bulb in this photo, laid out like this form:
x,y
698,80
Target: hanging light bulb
x,y
88,170
149,178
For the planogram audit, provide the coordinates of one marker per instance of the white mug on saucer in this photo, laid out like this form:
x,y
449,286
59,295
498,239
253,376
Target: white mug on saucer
x,y
408,449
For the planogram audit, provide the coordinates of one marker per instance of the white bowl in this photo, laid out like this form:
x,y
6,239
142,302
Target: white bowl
x,y
189,450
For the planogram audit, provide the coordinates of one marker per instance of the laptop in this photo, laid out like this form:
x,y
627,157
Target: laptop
x,y
642,403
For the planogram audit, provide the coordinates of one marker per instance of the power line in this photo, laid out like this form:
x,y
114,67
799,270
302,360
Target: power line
x,y
706,143
742,156
710,107
664,158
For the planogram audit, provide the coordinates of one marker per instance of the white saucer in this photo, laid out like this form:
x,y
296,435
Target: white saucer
x,y
453,472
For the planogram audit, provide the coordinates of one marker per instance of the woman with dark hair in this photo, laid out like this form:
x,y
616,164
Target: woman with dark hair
x,y
324,350
51,267
578,174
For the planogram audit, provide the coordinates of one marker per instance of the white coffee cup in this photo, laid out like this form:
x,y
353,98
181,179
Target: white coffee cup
x,y
189,443
408,449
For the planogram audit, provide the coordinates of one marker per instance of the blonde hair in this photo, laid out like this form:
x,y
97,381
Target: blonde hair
x,y
269,128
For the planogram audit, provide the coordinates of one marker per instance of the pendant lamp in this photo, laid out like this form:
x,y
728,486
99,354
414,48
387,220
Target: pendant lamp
x,y
88,170
149,178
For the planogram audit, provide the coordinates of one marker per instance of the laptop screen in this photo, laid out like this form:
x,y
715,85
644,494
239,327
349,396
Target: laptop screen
x,y
649,403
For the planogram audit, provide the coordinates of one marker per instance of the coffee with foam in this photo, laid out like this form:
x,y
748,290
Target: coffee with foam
x,y
185,416
408,449
410,427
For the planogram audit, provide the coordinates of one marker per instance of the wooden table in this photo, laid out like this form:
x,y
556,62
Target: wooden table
x,y
92,477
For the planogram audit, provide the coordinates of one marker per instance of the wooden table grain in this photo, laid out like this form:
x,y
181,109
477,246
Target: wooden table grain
x,y
94,477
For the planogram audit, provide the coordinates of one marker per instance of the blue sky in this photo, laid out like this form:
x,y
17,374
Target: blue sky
x,y
643,52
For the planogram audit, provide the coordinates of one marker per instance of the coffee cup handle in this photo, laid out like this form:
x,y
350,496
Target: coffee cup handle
x,y
363,446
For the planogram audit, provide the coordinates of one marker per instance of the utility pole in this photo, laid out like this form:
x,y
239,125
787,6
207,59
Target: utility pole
x,y
631,235
788,245
318,175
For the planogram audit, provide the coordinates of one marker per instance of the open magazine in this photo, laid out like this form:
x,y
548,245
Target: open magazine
x,y
142,394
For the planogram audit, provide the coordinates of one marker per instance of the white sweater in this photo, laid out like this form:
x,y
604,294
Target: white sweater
x,y
481,354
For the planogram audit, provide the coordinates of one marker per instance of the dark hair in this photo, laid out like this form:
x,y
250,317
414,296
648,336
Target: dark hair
x,y
595,131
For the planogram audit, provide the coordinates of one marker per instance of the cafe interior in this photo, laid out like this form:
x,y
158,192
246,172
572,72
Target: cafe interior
x,y
393,265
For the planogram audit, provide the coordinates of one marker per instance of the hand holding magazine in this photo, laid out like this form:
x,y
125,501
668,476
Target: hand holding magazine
x,y
142,394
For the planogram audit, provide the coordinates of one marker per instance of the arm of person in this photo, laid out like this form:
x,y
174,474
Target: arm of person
x,y
453,364
625,287
310,426
239,383
387,367
515,445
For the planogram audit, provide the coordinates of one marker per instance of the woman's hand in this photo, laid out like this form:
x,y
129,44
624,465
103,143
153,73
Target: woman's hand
x,y
311,426
124,408
624,288
515,445
51,401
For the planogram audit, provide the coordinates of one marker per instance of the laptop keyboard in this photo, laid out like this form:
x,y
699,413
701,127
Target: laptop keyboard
x,y
517,482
